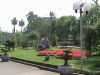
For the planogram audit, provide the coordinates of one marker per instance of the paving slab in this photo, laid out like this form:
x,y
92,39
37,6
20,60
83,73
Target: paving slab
x,y
13,68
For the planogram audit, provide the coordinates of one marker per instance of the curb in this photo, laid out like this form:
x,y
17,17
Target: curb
x,y
43,66
49,67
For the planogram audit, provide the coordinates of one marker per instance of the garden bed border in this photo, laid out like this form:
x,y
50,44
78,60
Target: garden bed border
x,y
49,67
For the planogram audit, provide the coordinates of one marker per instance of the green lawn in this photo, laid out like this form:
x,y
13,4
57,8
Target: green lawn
x,y
31,54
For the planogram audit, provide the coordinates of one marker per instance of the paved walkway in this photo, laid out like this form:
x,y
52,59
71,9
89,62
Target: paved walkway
x,y
71,46
13,68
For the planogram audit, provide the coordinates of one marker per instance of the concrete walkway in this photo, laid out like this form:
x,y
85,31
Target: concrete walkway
x,y
70,46
13,68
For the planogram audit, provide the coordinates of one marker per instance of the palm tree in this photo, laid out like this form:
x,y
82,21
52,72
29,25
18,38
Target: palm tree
x,y
95,1
21,23
14,22
31,17
52,15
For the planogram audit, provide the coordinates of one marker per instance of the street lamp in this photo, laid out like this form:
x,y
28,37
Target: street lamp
x,y
78,6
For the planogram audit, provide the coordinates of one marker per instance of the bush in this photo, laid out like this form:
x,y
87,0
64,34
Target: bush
x,y
98,53
64,44
24,43
9,43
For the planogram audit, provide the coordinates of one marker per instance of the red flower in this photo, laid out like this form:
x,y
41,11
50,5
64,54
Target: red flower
x,y
75,53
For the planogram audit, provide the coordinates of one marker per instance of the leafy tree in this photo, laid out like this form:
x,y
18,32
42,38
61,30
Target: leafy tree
x,y
98,28
74,27
90,28
43,27
92,17
32,36
54,39
14,22
61,28
64,27
90,38
24,43
31,18
10,43
19,36
0,35
38,24
21,23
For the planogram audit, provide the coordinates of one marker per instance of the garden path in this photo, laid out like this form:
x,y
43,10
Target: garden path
x,y
13,68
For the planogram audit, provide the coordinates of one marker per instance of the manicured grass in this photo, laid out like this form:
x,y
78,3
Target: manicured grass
x,y
31,54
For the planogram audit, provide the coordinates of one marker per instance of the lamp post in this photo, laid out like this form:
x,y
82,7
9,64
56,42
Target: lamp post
x,y
76,7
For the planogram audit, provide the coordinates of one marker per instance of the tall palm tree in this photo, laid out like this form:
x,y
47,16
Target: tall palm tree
x,y
14,22
52,15
21,23
95,1
31,17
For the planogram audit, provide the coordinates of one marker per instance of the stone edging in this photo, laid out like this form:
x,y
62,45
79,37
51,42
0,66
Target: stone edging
x,y
53,68
40,65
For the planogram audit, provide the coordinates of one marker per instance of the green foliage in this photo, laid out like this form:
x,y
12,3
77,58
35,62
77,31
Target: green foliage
x,y
66,25
64,44
54,39
0,37
90,38
52,15
98,53
14,22
24,43
19,36
91,29
21,23
32,36
93,15
65,56
9,43
38,24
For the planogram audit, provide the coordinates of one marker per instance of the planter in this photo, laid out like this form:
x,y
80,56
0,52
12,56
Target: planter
x,y
66,70
5,58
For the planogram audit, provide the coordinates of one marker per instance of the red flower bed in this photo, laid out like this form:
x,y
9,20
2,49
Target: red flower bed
x,y
75,53
45,52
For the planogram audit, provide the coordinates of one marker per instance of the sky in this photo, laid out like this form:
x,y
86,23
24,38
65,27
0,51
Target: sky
x,y
20,8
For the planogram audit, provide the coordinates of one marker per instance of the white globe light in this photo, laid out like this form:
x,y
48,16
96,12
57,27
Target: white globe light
x,y
76,6
86,7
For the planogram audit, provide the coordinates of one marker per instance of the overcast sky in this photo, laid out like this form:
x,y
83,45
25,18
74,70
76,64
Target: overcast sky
x,y
19,8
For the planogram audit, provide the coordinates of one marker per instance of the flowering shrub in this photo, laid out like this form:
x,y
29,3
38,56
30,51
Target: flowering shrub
x,y
75,53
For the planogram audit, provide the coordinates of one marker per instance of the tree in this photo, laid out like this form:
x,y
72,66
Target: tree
x,y
65,26
19,37
21,23
14,22
52,15
39,24
31,18
93,15
90,38
91,28
74,27
95,1
10,43
0,35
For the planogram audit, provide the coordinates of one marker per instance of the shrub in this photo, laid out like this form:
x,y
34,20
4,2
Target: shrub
x,y
98,53
64,44
24,43
9,43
